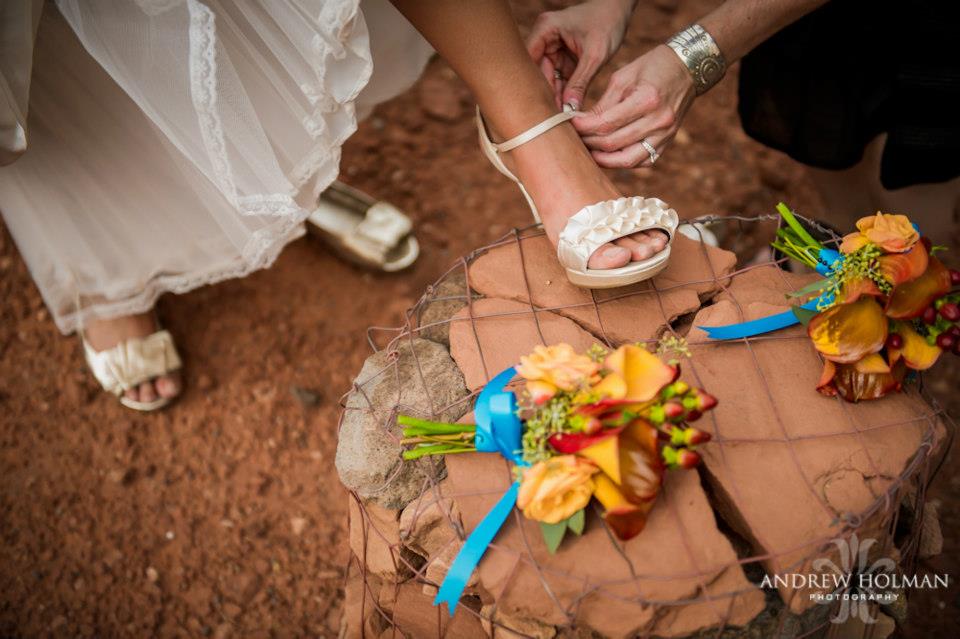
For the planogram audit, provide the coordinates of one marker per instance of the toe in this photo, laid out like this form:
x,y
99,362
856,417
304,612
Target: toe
x,y
147,392
609,256
639,245
133,394
657,239
168,386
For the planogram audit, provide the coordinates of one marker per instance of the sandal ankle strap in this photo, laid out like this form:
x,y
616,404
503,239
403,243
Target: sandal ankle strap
x,y
536,130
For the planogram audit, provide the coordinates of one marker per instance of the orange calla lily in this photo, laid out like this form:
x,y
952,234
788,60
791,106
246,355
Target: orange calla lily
x,y
856,288
872,363
915,352
845,333
855,385
641,370
624,517
630,478
899,268
910,299
605,454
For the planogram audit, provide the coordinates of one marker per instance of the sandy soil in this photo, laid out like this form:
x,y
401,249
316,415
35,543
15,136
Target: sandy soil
x,y
222,516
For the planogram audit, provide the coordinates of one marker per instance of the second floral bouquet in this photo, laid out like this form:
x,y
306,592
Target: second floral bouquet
x,y
598,425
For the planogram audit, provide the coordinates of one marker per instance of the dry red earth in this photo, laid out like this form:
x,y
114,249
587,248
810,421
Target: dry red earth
x,y
222,516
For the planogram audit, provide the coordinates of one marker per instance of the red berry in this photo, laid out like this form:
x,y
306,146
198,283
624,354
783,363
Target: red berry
x,y
687,458
950,312
929,315
954,276
673,409
895,341
955,331
946,341
705,401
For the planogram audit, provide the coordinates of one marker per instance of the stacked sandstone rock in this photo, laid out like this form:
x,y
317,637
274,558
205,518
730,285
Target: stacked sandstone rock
x,y
787,472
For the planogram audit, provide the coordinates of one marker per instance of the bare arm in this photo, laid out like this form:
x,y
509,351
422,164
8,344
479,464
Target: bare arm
x,y
739,26
647,99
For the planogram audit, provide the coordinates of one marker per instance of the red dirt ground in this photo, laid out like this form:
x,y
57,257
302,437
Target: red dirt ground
x,y
222,516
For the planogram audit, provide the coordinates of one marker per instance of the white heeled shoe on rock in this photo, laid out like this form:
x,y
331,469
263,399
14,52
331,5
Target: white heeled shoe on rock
x,y
132,362
595,225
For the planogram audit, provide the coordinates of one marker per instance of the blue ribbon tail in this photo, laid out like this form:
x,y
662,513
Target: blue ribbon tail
x,y
473,550
757,326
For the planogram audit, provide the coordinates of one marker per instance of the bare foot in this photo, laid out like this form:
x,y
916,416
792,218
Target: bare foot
x,y
560,175
105,334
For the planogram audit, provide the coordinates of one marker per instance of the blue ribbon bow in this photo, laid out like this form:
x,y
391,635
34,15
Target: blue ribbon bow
x,y
828,261
498,431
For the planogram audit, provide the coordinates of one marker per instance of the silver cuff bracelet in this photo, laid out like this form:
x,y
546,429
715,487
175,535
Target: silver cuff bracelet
x,y
700,54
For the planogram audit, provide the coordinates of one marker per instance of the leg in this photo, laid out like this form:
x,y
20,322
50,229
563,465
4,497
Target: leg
x,y
479,39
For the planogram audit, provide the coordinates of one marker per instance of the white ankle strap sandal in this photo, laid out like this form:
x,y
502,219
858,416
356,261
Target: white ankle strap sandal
x,y
594,225
132,362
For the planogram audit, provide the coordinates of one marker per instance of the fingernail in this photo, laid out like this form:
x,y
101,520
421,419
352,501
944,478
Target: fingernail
x,y
573,104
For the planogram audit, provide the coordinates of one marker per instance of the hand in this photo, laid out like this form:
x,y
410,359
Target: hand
x,y
572,44
645,100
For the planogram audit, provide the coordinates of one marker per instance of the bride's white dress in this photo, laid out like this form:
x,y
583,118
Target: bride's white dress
x,y
166,144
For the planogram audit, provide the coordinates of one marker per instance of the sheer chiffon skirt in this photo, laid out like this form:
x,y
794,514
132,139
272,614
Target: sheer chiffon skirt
x,y
172,144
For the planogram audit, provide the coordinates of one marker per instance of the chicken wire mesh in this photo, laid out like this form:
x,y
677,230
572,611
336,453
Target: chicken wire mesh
x,y
698,569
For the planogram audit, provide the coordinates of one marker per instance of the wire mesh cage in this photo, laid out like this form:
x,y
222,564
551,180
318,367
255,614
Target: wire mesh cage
x,y
793,484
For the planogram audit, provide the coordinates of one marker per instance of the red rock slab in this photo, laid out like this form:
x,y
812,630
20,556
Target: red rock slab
x,y
616,588
528,269
492,334
788,466
765,283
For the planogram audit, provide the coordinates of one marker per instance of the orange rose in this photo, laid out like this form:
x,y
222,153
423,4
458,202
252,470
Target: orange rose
x,y
553,490
552,368
892,233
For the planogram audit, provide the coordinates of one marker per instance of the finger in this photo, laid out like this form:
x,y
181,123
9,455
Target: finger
x,y
660,145
623,137
631,156
540,37
581,77
549,70
618,106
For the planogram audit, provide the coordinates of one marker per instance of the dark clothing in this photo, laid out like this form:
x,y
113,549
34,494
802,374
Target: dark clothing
x,y
826,85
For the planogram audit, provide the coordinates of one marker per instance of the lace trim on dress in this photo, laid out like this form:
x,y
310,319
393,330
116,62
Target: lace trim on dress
x,y
260,252
203,90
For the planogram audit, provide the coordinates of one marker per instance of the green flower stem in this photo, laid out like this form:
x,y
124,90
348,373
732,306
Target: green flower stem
x,y
438,449
794,224
438,438
416,426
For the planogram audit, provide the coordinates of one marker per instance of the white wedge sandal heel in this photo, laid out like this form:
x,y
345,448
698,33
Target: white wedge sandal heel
x,y
594,225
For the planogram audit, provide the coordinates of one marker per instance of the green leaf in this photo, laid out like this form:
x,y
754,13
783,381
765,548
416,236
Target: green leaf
x,y
553,534
814,287
577,521
803,314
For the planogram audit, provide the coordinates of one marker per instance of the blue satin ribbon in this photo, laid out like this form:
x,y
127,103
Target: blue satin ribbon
x,y
499,430
828,261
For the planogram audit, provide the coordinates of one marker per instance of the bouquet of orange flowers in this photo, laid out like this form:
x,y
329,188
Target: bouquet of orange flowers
x,y
603,425
886,307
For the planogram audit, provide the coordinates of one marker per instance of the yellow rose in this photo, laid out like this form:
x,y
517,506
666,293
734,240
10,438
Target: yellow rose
x,y
553,490
552,368
892,233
